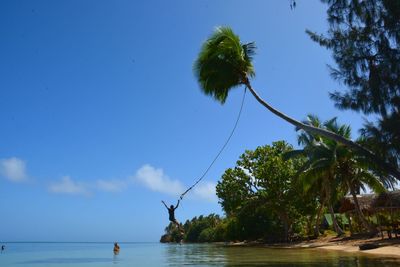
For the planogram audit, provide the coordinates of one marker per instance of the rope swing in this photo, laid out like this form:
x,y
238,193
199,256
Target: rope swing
x,y
220,151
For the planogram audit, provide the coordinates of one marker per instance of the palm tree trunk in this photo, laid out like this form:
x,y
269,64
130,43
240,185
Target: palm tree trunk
x,y
350,225
336,226
328,134
318,220
360,214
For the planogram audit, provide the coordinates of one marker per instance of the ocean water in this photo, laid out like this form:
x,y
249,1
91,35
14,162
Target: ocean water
x,y
155,254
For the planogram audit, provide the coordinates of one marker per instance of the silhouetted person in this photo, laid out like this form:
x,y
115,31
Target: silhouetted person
x,y
3,248
116,248
171,212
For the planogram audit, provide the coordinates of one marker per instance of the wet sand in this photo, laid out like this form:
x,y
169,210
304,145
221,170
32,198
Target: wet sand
x,y
386,247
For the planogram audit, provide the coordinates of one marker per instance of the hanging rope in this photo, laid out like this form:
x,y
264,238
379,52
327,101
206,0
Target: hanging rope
x,y
222,148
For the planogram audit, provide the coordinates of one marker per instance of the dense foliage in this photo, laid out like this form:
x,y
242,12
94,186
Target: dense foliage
x,y
334,170
261,199
209,228
261,192
364,37
276,193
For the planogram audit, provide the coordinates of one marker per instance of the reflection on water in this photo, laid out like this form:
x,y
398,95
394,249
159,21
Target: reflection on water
x,y
155,255
115,258
200,255
66,261
214,255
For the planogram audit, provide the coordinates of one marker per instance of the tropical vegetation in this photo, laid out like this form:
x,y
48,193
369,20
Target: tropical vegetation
x,y
364,37
335,169
281,193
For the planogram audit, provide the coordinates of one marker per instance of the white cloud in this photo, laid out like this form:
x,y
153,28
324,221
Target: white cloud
x,y
156,180
206,190
148,176
13,169
68,186
112,186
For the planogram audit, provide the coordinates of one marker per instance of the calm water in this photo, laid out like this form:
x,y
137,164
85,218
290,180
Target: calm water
x,y
155,254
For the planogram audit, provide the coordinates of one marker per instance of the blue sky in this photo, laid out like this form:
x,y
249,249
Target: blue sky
x,y
101,116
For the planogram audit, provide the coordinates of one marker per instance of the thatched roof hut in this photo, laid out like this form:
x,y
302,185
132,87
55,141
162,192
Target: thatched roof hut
x,y
387,200
370,203
365,201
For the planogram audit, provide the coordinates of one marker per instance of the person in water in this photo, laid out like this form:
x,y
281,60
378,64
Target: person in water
x,y
171,212
116,248
3,248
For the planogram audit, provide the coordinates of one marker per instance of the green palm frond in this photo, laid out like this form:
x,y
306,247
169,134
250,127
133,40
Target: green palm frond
x,y
372,181
293,154
306,181
313,120
249,51
321,165
223,63
309,177
306,138
331,124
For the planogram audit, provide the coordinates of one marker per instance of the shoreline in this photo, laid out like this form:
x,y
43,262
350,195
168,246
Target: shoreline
x,y
385,247
385,251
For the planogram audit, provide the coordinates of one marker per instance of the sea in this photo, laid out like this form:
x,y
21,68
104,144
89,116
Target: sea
x,y
156,254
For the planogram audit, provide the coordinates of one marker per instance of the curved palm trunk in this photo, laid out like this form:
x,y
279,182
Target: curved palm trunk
x,y
336,226
318,220
329,194
360,214
328,134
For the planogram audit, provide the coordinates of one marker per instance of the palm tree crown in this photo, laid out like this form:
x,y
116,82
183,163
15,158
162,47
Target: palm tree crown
x,y
223,63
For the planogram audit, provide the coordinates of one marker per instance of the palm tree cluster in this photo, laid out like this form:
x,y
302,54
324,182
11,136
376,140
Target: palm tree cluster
x,y
333,170
335,164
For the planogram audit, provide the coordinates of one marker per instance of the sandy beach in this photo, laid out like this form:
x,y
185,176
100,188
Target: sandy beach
x,y
386,247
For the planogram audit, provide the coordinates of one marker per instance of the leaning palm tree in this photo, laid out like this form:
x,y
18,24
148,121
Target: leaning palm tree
x,y
336,167
224,63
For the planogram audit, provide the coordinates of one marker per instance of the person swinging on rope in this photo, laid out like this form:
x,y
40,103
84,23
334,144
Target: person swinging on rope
x,y
171,212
